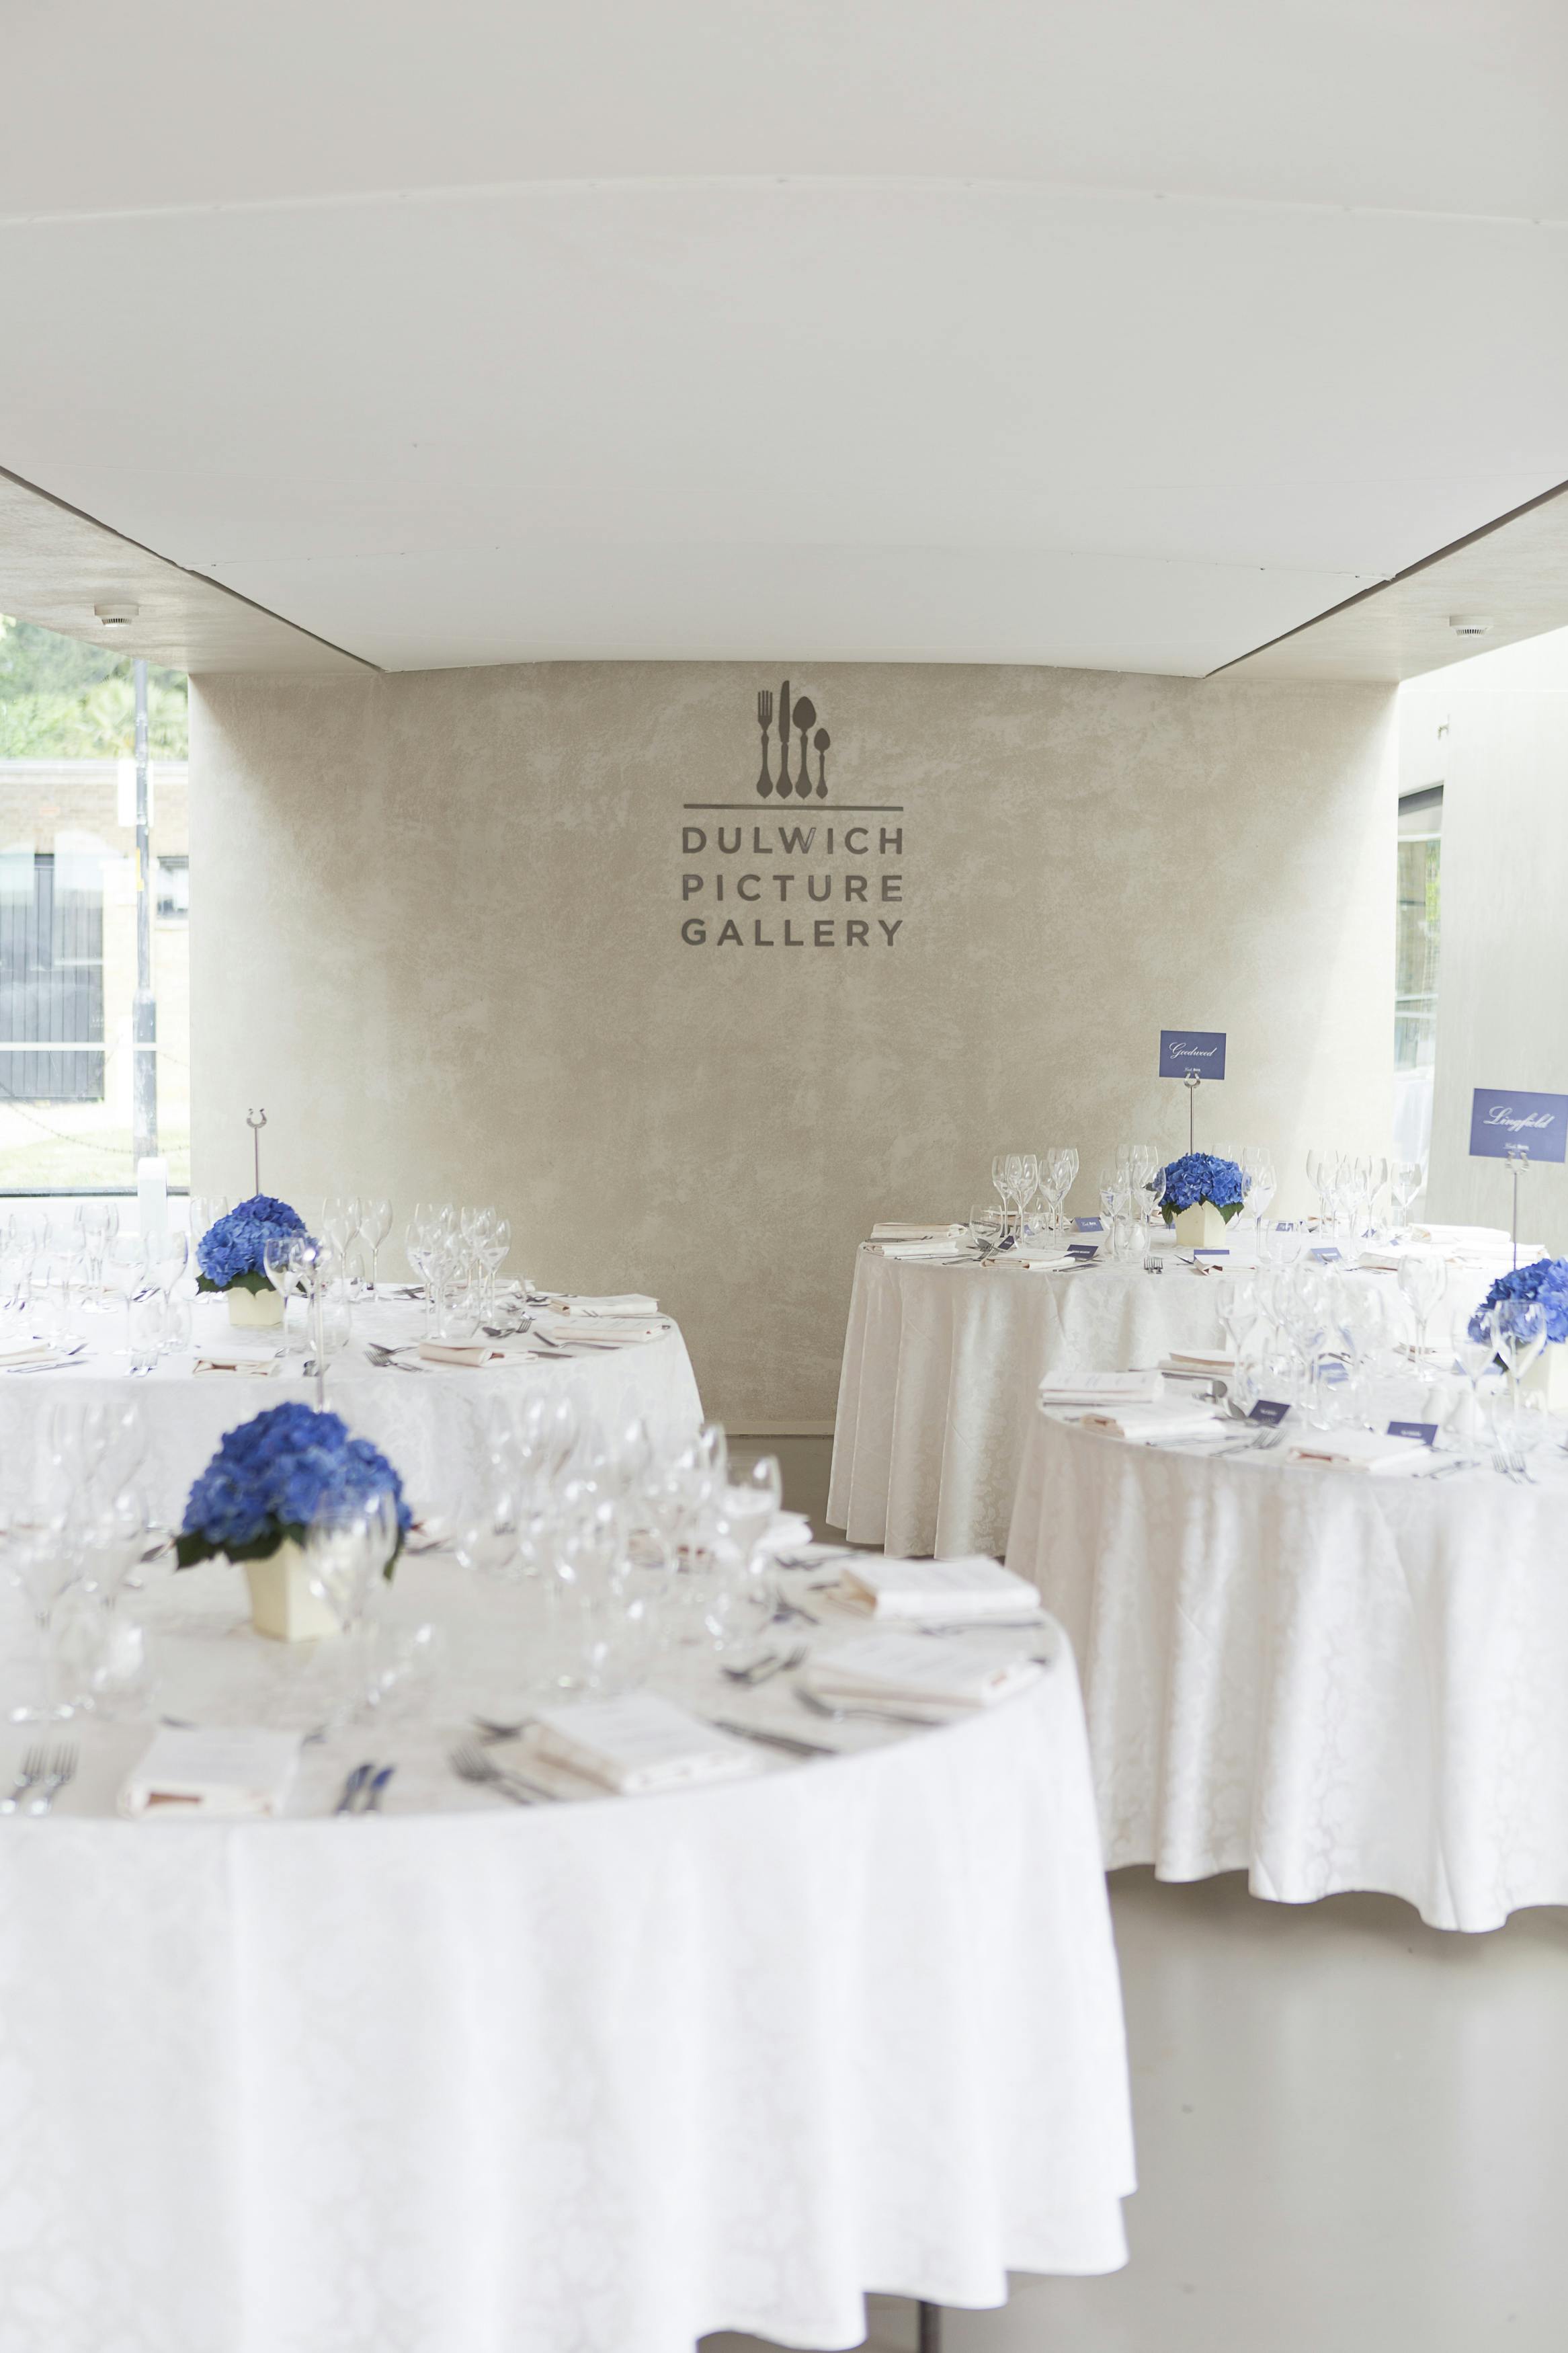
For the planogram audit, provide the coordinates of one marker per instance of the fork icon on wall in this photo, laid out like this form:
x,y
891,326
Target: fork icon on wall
x,y
802,715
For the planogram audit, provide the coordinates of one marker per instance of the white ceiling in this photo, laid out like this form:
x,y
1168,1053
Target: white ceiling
x,y
1129,336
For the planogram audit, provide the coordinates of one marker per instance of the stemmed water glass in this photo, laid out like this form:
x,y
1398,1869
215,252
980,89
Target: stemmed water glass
x,y
168,1254
987,1225
1423,1279
125,1273
376,1224
1405,1180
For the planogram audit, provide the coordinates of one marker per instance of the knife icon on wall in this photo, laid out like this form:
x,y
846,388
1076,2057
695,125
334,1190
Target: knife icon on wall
x,y
783,741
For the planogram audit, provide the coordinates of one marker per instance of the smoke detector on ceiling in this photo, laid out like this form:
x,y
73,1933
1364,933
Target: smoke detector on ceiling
x,y
1469,625
116,616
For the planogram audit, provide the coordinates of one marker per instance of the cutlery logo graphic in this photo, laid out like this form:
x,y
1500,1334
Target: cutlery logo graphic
x,y
800,715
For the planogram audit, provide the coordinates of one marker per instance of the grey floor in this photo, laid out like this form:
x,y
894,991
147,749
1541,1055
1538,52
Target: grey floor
x,y
1352,2137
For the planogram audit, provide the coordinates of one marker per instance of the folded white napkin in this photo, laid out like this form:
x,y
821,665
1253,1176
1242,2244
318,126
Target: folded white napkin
x,y
232,1770
788,1532
1200,1360
899,1229
1038,1262
639,1744
31,1352
974,1587
1359,1449
1109,1389
1465,1236
473,1352
1150,1425
920,1675
262,1363
617,1303
936,1246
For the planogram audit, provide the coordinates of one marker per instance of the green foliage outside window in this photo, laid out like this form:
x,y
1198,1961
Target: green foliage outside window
x,y
62,699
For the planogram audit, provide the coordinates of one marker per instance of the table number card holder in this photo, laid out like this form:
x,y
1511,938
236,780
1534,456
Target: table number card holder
x,y
1499,1124
1192,1056
256,1121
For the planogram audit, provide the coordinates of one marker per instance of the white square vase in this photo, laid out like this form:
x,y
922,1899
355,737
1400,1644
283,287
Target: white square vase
x,y
259,1310
1547,1377
281,1601
1201,1228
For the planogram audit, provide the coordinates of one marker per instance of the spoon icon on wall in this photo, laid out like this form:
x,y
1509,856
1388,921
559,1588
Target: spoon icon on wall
x,y
805,720
822,739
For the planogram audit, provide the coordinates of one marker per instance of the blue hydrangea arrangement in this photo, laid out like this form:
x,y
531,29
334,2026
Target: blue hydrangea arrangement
x,y
230,1254
1546,1280
271,1476
1199,1176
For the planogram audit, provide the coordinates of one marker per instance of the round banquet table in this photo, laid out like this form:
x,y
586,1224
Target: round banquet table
x,y
940,1367
430,1425
590,2077
1327,1678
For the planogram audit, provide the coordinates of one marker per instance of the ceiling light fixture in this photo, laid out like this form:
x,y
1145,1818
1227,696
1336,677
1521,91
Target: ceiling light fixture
x,y
1469,625
116,616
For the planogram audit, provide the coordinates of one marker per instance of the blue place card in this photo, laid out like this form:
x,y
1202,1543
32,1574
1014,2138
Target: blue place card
x,y
1498,1118
1327,1254
1181,1050
1089,1225
1424,1431
1271,1410
1083,1251
1213,1252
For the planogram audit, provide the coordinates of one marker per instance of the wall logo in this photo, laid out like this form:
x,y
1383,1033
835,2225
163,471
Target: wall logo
x,y
826,884
801,714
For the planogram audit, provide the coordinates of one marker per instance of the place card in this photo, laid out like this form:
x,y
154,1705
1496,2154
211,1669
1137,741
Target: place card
x,y
1083,1252
1326,1252
1202,1050
1500,1118
1427,1431
1215,1249
1089,1225
228,1769
1270,1410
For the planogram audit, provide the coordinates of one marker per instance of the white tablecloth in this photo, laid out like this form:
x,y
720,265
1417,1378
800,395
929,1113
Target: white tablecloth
x,y
591,2078
428,1425
1328,1679
940,1367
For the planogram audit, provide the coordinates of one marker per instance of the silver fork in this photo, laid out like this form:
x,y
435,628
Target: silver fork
x,y
35,1763
61,1769
471,1764
876,1714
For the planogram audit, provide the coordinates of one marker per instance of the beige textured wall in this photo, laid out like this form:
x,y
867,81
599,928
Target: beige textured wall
x,y
438,935
1494,734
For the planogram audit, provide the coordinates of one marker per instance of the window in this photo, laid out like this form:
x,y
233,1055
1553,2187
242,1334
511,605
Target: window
x,y
1415,968
174,890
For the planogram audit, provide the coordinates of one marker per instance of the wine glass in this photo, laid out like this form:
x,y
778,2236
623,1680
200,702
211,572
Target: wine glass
x,y
376,1224
1406,1178
987,1224
1519,1336
491,1245
1423,1279
125,1273
45,1562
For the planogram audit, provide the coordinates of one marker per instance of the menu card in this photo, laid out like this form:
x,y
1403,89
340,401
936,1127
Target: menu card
x,y
973,1587
638,1744
913,1670
230,1770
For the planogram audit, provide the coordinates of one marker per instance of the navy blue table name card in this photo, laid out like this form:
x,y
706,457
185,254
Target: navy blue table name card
x,y
1498,1118
1327,1252
1083,1251
1271,1410
1425,1432
1089,1225
1181,1050
1212,1250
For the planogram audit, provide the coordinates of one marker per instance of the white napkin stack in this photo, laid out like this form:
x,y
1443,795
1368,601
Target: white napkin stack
x,y
1107,1390
790,1531
638,1745
1359,1449
1150,1425
230,1771
259,1362
919,1675
473,1352
617,1303
945,1590
1200,1360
